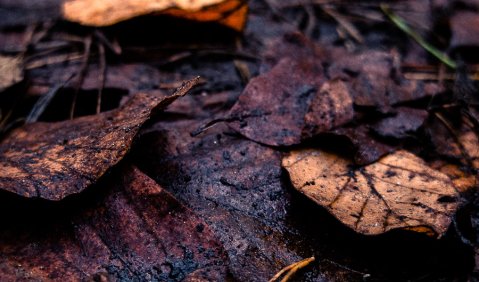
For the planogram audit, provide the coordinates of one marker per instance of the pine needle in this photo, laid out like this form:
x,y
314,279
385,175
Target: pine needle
x,y
402,25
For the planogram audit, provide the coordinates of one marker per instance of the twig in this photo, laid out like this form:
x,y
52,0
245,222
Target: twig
x,y
290,270
455,136
102,76
113,46
402,25
44,101
53,60
348,268
311,20
242,67
82,73
347,25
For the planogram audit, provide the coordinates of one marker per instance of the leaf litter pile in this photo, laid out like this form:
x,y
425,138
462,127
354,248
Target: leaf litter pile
x,y
230,140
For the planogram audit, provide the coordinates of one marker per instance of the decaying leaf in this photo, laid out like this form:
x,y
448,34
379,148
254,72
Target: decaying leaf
x,y
231,13
130,229
234,184
405,122
368,148
461,145
25,12
398,191
131,77
464,28
11,71
376,80
54,160
289,103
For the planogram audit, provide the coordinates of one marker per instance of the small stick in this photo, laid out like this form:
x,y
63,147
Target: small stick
x,y
44,101
102,76
347,25
82,73
290,270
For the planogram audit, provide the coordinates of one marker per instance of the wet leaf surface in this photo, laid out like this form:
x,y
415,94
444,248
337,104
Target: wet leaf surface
x,y
127,228
398,191
54,160
403,124
240,190
131,77
25,12
11,71
231,13
464,27
367,148
376,80
236,184
289,103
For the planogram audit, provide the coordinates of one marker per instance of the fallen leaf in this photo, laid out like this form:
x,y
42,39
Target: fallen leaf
x,y
289,103
376,81
25,12
332,106
131,77
11,71
231,13
462,144
54,160
368,148
398,191
233,183
464,28
291,44
128,229
403,124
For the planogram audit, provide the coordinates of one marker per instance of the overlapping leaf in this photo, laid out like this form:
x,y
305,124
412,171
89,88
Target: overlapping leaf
x,y
398,191
129,229
54,160
290,102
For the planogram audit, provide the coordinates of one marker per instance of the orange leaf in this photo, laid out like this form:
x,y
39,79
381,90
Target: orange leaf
x,y
398,191
231,13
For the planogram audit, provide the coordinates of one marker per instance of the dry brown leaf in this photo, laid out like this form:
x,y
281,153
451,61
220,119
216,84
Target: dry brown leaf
x,y
54,160
231,13
462,145
11,71
398,191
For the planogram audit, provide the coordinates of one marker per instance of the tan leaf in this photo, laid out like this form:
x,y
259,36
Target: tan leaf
x,y
11,71
398,191
54,160
231,13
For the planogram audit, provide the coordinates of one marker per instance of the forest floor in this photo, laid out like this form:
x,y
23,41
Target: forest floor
x,y
166,149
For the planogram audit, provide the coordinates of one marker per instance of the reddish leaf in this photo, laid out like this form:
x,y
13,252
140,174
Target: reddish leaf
x,y
376,80
54,160
235,184
464,29
368,149
131,77
406,121
289,103
128,229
